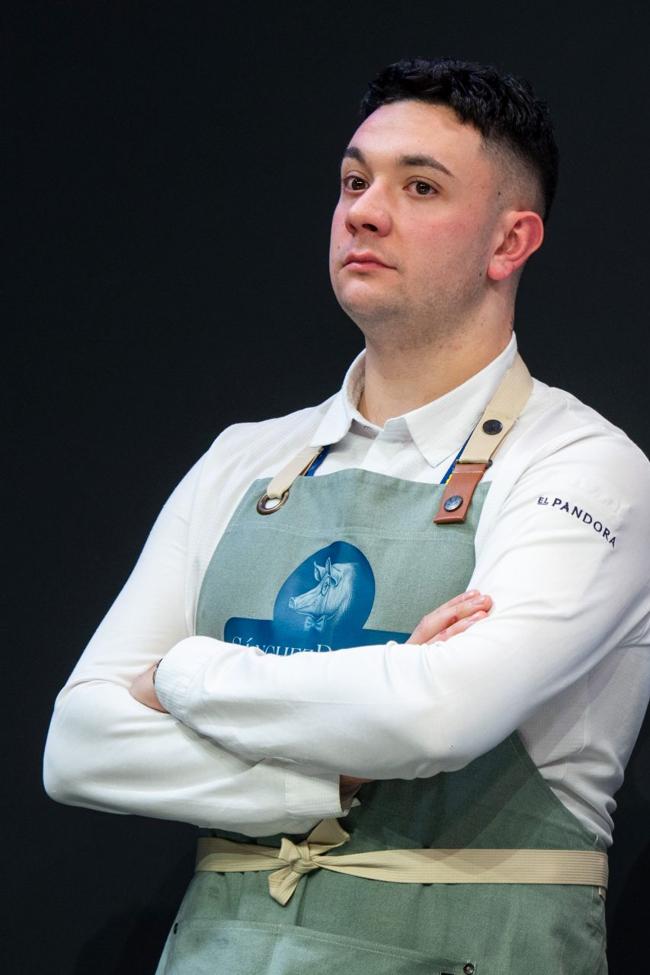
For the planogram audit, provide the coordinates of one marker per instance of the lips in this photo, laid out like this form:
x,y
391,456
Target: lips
x,y
364,257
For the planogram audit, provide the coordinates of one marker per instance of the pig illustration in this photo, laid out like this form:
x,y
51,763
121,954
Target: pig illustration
x,y
326,603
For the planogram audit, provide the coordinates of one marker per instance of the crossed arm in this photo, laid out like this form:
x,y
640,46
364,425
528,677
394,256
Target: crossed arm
x,y
450,619
453,617
563,599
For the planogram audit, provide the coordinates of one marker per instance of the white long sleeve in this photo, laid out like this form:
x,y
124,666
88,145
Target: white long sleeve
x,y
256,742
107,751
564,598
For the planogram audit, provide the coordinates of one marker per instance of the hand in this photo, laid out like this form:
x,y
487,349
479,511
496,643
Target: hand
x,y
348,785
144,690
453,617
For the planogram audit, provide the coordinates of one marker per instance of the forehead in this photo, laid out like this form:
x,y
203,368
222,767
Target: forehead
x,y
419,128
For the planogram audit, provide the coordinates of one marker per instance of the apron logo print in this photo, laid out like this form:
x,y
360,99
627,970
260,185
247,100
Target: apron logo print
x,y
327,616
330,598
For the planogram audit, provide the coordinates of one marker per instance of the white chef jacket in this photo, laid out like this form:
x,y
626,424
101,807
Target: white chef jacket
x,y
255,742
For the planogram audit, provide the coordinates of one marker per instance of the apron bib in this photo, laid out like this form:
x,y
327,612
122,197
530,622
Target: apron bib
x,y
355,558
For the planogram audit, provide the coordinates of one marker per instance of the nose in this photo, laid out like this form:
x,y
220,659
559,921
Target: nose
x,y
369,212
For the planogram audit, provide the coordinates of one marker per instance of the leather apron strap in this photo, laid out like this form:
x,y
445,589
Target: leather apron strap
x,y
291,861
498,419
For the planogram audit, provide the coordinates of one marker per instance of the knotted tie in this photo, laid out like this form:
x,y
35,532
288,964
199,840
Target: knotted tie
x,y
298,858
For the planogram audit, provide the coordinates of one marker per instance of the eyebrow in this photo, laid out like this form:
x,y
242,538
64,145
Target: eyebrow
x,y
352,152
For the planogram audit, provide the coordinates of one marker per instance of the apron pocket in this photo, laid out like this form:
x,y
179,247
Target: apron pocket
x,y
205,947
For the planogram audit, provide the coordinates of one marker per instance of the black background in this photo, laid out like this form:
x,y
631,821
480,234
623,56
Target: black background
x,y
176,171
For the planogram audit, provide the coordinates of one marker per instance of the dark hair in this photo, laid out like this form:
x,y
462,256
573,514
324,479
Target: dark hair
x,y
504,109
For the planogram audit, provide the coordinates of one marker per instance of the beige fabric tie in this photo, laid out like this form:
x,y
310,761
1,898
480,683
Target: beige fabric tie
x,y
283,480
504,407
417,866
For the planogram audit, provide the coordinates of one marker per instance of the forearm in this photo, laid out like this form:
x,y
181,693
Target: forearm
x,y
106,751
378,712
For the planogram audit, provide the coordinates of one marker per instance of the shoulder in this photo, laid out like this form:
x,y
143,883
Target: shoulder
x,y
270,441
560,438
565,468
244,452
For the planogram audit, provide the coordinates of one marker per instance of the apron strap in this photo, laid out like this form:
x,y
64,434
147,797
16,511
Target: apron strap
x,y
278,490
291,861
499,417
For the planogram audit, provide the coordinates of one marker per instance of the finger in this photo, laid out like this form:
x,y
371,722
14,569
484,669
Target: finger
x,y
457,608
461,597
459,627
467,607
461,607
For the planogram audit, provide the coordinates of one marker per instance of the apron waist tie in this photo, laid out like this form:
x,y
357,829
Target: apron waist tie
x,y
415,866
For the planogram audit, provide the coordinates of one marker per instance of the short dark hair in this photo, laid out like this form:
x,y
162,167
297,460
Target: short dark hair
x,y
503,108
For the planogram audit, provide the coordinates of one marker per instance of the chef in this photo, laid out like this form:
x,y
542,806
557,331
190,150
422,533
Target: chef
x,y
384,784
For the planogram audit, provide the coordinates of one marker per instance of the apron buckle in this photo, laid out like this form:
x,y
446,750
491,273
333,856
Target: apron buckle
x,y
266,504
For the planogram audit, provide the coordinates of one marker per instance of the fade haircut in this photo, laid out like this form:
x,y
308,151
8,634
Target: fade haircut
x,y
503,108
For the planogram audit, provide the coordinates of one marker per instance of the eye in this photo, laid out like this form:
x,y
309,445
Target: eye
x,y
422,188
354,183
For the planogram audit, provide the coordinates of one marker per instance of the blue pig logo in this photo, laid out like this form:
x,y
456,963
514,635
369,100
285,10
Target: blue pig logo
x,y
330,598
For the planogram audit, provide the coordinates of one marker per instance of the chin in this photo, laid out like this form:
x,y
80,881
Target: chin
x,y
362,292
370,315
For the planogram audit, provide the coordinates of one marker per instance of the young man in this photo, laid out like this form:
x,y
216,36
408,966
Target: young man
x,y
484,757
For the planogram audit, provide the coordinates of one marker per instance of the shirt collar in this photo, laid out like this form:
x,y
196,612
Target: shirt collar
x,y
438,429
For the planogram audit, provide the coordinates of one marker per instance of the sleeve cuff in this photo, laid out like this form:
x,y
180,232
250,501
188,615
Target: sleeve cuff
x,y
312,793
178,668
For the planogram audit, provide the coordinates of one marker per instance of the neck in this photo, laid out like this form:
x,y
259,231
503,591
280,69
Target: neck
x,y
398,380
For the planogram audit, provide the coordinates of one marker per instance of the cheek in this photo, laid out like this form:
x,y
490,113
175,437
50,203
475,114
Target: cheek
x,y
451,238
338,222
337,243
339,233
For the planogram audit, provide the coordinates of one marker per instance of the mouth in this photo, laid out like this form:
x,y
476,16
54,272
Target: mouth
x,y
365,262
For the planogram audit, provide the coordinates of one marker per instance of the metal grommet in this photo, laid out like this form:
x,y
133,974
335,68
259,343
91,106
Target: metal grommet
x,y
262,503
492,427
468,969
453,503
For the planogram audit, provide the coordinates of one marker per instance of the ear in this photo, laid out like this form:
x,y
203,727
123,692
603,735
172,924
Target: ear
x,y
319,571
335,575
521,234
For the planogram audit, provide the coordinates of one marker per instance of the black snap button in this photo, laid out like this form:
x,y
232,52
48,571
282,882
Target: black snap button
x,y
492,427
468,968
453,503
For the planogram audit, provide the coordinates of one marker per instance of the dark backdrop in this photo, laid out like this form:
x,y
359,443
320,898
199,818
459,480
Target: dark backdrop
x,y
177,167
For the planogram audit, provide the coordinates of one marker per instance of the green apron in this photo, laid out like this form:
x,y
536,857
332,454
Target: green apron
x,y
354,558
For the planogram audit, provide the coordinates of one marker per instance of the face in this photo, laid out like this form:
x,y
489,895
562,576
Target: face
x,y
416,222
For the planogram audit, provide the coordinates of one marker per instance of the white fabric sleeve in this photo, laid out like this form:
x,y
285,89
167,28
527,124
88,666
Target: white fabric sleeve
x,y
565,595
107,751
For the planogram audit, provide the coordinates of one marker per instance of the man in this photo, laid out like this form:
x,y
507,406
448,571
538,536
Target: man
x,y
484,757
